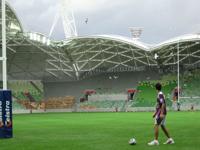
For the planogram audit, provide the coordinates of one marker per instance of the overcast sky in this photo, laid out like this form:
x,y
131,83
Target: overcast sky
x,y
160,19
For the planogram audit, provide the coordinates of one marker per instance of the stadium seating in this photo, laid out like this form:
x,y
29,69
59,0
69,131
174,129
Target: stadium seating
x,y
111,99
59,103
19,91
51,103
19,87
146,95
107,104
190,95
190,84
29,95
17,106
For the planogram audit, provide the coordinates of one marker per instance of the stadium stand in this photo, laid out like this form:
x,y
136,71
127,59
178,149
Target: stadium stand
x,y
110,99
190,95
60,102
26,94
17,106
109,105
147,94
27,104
51,103
106,63
190,83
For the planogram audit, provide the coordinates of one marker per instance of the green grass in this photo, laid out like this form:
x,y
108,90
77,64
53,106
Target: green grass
x,y
100,131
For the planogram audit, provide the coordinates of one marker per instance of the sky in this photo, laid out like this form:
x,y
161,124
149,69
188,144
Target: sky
x,y
159,19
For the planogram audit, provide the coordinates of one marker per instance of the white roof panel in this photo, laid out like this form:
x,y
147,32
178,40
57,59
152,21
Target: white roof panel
x,y
126,40
183,38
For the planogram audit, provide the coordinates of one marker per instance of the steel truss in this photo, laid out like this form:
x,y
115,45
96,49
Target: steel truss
x,y
34,56
189,53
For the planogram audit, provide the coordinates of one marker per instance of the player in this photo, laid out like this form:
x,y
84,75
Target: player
x,y
160,116
176,94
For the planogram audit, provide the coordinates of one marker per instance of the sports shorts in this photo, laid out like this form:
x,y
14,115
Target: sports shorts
x,y
159,121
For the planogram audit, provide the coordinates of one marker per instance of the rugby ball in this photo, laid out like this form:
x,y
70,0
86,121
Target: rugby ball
x,y
132,141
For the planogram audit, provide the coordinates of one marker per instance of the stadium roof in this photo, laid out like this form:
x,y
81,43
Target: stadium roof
x,y
179,39
33,56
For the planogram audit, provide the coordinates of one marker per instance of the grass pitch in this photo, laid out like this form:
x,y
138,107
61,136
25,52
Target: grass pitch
x,y
100,131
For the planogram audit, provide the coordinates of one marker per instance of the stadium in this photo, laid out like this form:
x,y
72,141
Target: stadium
x,y
97,73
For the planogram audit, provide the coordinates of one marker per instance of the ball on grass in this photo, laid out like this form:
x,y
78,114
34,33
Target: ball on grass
x,y
132,141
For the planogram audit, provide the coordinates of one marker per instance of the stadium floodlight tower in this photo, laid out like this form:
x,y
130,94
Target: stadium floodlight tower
x,y
69,25
68,18
136,32
66,14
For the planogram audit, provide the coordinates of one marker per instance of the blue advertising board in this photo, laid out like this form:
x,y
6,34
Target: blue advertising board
x,y
6,126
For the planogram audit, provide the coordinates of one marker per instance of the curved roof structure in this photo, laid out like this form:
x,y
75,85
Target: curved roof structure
x,y
107,54
179,39
13,23
34,56
123,39
186,46
30,55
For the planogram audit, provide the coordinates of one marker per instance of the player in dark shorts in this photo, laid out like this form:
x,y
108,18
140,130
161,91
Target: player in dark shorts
x,y
160,116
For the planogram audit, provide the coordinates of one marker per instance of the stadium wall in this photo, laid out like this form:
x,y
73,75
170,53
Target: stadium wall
x,y
107,83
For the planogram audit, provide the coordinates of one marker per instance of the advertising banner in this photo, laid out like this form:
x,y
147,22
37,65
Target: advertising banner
x,y
6,130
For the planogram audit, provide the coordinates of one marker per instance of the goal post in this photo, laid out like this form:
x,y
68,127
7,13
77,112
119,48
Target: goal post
x,y
188,81
5,95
